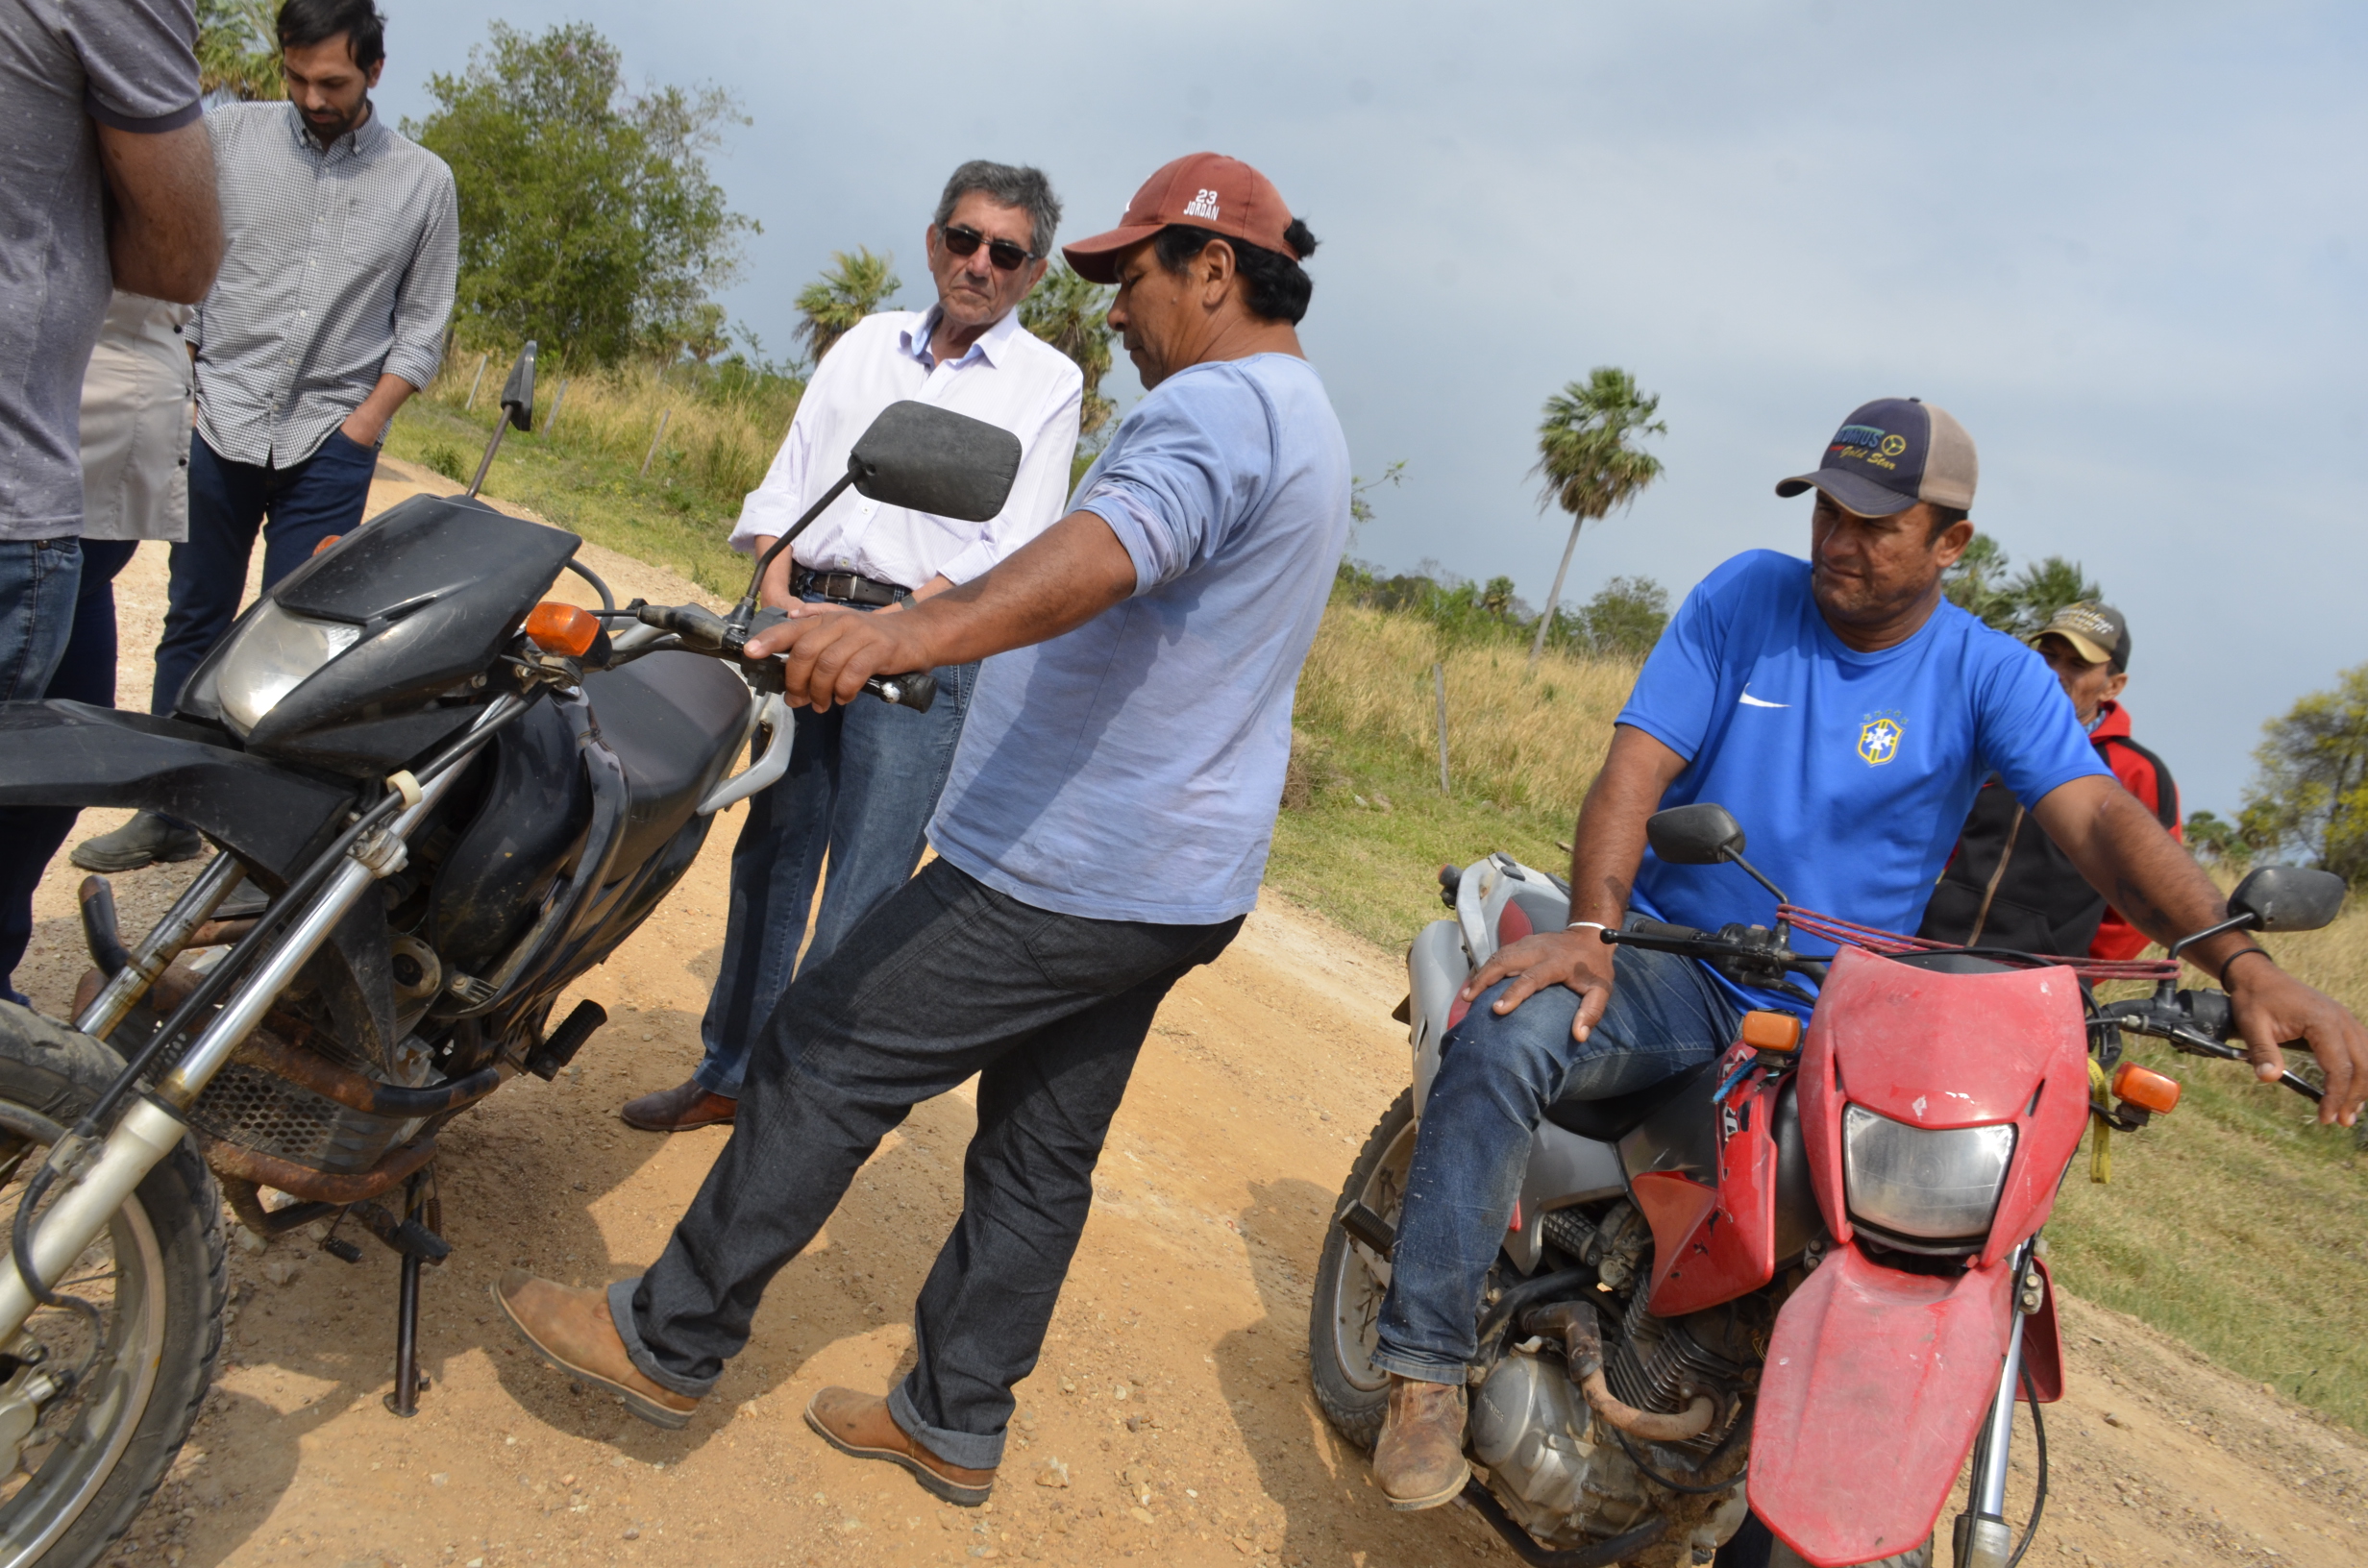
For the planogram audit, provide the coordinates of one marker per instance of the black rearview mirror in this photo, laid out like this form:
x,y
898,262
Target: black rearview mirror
x,y
2289,898
934,460
1701,834
518,392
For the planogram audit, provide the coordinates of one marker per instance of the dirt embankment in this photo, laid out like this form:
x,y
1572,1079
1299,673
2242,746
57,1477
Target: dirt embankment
x,y
1169,1414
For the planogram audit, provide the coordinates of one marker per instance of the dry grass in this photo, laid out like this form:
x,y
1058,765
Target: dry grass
x,y
713,441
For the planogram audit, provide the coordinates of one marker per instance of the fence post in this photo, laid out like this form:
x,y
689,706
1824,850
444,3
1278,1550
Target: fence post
x,y
479,382
663,415
551,425
1439,679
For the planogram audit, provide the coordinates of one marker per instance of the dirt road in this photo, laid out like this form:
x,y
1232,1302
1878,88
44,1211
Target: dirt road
x,y
1169,1421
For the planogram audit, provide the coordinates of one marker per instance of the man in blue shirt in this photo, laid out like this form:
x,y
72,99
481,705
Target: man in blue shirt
x,y
1846,714
1103,831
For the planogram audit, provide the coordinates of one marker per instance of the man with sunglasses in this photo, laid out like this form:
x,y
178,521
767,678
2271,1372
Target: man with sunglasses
x,y
862,781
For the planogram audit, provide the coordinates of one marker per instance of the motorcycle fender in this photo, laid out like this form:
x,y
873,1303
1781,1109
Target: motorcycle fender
x,y
73,754
1864,1354
1436,968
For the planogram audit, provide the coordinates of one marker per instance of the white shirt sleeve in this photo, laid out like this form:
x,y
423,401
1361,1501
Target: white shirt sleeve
x,y
777,502
1039,491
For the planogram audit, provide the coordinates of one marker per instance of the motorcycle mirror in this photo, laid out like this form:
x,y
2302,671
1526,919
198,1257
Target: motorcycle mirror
x,y
518,392
934,461
1701,834
2289,898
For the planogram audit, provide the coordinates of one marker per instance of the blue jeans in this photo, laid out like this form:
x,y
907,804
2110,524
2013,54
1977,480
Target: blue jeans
x,y
862,784
320,497
38,580
1496,1076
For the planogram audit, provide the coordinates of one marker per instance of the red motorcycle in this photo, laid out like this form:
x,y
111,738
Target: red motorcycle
x,y
1805,1281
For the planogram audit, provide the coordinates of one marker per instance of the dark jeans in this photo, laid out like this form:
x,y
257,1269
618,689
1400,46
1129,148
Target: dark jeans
x,y
307,502
946,979
1496,1076
862,784
38,580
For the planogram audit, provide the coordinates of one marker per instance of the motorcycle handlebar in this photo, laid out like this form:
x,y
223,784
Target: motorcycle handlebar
x,y
701,630
2198,1022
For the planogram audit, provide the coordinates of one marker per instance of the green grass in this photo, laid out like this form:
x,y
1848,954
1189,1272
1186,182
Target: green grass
x,y
662,519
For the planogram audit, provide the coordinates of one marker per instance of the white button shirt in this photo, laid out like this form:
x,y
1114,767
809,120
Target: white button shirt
x,y
1009,377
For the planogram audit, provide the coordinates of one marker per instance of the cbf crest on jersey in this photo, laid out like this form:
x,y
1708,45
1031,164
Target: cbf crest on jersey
x,y
1879,738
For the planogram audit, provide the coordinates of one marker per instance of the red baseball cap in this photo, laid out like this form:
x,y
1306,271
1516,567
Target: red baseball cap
x,y
1207,190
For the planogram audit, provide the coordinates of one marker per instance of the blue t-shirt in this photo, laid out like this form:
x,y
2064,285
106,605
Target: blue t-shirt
x,y
1130,769
1850,773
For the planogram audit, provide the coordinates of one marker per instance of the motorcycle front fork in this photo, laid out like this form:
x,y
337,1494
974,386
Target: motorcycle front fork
x,y
1981,1536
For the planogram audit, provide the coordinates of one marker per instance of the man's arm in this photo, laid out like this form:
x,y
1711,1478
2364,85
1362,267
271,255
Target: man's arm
x,y
2125,855
1057,581
164,221
366,424
1604,851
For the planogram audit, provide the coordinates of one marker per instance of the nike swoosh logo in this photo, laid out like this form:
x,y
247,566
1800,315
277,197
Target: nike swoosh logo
x,y
1751,702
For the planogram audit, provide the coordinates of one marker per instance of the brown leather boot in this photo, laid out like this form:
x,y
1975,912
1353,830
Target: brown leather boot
x,y
860,1425
572,1330
680,1109
1420,1460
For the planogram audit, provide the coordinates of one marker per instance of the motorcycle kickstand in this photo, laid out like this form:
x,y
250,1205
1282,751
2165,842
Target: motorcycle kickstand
x,y
405,1400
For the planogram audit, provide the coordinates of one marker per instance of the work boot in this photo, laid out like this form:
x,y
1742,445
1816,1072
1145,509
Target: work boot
x,y
146,839
571,1328
860,1425
680,1109
1420,1460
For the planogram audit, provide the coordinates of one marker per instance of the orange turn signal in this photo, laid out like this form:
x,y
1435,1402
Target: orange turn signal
x,y
2145,1089
326,543
562,628
1769,1031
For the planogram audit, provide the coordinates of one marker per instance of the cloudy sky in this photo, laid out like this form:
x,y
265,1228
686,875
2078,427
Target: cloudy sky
x,y
2122,243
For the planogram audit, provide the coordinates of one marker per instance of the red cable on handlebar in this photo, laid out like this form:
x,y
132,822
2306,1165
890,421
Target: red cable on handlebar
x,y
1891,943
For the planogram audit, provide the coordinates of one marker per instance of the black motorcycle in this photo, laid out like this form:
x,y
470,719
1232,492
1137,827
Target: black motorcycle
x,y
457,799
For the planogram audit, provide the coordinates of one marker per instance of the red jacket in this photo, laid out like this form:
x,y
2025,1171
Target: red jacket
x,y
2143,773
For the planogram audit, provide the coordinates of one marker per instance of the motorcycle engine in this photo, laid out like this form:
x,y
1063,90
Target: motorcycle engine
x,y
1661,1364
1532,1430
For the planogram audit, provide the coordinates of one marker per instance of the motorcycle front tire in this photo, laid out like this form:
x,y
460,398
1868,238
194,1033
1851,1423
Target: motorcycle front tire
x,y
170,1266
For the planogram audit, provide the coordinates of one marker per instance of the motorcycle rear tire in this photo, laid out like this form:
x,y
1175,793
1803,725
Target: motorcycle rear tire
x,y
49,1075
1347,1395
1781,1556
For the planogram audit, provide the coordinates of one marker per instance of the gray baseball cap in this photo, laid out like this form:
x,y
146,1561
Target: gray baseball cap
x,y
2097,632
1891,454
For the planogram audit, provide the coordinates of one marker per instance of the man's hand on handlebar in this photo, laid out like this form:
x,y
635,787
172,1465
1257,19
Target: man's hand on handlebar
x,y
829,651
2271,1006
1581,960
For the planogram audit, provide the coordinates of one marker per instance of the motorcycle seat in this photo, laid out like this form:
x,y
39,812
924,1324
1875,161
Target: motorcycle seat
x,y
1608,1121
674,720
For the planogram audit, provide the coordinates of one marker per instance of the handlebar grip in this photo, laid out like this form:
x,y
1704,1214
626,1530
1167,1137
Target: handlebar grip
x,y
916,691
1663,928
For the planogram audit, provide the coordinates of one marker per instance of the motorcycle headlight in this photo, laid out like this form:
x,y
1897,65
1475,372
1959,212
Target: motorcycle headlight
x,y
274,654
1933,1184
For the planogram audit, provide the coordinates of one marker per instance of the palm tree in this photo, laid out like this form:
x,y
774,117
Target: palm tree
x,y
238,49
1073,315
1589,465
851,289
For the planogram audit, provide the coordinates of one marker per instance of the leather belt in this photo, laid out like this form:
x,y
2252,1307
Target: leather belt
x,y
848,588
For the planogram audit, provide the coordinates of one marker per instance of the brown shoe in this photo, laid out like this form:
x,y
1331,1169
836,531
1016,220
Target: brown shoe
x,y
680,1109
1419,1460
860,1425
572,1330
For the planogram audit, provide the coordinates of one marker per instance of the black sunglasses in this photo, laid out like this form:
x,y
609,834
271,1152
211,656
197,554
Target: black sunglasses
x,y
1006,256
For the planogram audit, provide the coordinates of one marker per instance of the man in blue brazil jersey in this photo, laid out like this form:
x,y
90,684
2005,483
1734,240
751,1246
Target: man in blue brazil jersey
x,y
1846,714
